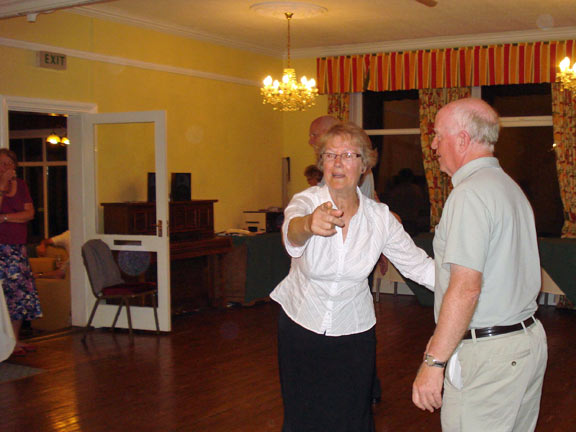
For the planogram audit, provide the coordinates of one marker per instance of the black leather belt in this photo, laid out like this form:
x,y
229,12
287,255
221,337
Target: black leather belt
x,y
499,330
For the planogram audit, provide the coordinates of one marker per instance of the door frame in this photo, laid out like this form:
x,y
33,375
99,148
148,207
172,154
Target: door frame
x,y
78,279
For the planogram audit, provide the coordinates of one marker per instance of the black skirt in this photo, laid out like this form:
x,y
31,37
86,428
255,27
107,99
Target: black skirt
x,y
326,380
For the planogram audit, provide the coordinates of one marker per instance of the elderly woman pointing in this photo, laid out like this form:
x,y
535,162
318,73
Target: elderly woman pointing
x,y
326,336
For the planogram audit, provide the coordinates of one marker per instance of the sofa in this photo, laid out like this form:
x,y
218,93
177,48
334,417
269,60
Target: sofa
x,y
54,294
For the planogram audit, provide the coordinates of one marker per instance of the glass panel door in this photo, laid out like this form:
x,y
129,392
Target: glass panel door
x,y
128,205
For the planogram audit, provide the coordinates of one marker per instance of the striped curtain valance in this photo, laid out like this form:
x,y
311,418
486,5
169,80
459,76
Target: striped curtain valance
x,y
518,63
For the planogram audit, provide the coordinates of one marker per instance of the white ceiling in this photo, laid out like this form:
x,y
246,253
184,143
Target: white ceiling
x,y
348,26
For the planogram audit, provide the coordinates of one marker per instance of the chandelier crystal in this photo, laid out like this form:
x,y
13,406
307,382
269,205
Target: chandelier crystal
x,y
567,76
289,94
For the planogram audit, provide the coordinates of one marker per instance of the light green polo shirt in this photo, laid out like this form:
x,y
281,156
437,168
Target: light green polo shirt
x,y
488,225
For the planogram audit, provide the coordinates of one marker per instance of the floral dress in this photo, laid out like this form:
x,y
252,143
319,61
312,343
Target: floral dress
x,y
15,272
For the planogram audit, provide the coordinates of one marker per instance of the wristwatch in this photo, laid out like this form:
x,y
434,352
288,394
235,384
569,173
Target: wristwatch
x,y
431,361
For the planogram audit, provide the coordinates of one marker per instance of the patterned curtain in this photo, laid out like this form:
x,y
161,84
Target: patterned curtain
x,y
339,106
564,120
439,184
512,63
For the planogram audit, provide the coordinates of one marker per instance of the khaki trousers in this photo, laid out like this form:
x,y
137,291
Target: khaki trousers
x,y
501,383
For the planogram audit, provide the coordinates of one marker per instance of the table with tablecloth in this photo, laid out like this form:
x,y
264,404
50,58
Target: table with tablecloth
x,y
254,267
557,257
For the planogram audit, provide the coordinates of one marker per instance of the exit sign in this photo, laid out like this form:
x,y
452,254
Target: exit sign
x,y
51,60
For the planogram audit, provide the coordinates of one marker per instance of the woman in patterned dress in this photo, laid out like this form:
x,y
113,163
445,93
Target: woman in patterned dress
x,y
16,209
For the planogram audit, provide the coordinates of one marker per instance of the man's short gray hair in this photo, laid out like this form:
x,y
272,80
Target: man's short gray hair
x,y
479,120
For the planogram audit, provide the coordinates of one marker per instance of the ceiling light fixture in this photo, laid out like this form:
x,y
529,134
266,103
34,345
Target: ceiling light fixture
x,y
53,139
567,76
289,94
56,139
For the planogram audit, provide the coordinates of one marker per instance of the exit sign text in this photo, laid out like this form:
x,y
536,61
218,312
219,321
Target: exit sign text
x,y
51,60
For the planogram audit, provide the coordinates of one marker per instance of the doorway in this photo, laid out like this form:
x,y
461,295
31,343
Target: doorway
x,y
73,110
40,142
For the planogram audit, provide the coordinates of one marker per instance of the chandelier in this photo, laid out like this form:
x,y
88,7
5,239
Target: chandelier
x,y
567,76
289,94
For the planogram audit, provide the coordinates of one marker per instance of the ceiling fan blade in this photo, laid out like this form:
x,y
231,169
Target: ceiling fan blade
x,y
429,3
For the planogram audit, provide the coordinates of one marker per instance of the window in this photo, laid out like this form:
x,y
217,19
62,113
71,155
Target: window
x,y
524,150
43,167
391,119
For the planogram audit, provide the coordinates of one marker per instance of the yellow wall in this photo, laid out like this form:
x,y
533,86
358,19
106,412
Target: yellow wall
x,y
123,177
219,131
296,125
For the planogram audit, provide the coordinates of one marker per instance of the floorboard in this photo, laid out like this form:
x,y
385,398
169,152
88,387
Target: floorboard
x,y
217,372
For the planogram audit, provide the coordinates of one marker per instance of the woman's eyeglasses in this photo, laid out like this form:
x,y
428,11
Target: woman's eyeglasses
x,y
345,157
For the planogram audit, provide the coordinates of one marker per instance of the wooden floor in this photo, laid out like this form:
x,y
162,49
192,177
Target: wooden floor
x,y
217,372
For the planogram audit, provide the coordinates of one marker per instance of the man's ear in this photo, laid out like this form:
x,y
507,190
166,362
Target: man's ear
x,y
463,141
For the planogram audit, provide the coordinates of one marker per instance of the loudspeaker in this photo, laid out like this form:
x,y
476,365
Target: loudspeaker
x,y
181,187
151,187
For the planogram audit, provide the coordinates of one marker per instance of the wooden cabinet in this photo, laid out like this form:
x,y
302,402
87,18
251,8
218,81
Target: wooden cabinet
x,y
188,220
195,276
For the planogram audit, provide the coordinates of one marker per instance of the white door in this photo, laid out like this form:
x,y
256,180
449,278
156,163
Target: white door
x,y
119,152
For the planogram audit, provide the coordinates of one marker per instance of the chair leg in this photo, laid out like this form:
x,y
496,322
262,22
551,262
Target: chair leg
x,y
91,318
117,314
155,304
125,300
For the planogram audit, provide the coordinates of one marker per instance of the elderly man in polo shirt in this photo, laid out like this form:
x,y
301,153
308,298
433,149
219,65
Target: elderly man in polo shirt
x,y
487,283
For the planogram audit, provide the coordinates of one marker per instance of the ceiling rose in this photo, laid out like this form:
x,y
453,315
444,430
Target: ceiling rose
x,y
278,9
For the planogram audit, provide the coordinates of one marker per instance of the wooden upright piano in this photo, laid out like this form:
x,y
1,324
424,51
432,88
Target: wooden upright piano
x,y
195,251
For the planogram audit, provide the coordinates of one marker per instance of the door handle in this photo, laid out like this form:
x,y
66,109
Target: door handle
x,y
159,228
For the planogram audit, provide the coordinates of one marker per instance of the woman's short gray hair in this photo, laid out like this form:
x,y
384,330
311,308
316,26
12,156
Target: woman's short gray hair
x,y
357,137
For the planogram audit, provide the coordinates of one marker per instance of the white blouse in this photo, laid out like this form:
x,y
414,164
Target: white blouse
x,y
326,290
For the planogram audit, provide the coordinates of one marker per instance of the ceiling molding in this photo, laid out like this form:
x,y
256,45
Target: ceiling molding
x,y
175,30
126,62
438,42
11,8
279,9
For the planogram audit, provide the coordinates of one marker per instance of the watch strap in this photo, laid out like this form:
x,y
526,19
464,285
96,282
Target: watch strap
x,y
431,361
